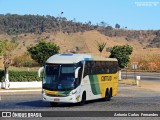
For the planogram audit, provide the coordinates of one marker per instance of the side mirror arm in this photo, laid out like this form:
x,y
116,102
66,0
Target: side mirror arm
x,y
76,72
39,71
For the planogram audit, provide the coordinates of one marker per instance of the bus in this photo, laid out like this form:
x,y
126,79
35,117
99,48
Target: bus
x,y
76,78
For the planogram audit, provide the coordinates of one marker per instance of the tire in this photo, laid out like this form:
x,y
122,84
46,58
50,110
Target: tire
x,y
111,93
83,99
53,104
107,95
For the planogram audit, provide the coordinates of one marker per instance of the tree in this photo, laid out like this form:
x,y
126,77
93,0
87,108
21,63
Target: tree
x,y
117,26
7,52
1,47
104,24
100,46
42,51
122,54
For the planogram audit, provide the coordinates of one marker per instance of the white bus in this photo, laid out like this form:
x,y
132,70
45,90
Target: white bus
x,y
76,78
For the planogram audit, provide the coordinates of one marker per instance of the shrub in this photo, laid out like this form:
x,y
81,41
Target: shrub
x,y
122,53
143,64
42,51
20,76
24,61
1,75
148,63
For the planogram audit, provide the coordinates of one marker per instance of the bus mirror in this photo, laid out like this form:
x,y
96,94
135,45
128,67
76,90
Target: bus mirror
x,y
76,72
39,71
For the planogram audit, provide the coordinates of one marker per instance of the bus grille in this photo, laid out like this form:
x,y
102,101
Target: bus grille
x,y
62,95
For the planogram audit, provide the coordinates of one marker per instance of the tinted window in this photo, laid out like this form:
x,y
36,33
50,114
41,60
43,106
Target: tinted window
x,y
100,67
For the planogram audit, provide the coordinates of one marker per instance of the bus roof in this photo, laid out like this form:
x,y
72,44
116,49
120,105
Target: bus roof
x,y
75,58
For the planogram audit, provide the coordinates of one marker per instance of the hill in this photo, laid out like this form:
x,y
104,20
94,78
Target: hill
x,y
18,24
82,42
13,24
75,37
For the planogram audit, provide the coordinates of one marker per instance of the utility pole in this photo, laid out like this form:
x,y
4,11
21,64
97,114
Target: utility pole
x,y
126,67
60,20
134,67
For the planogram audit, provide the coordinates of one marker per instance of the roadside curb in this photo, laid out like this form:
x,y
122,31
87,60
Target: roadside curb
x,y
24,90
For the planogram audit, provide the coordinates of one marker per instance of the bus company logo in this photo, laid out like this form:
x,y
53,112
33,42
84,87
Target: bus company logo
x,y
106,78
6,114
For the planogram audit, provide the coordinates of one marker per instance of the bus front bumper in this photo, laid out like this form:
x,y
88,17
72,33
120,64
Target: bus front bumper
x,y
67,99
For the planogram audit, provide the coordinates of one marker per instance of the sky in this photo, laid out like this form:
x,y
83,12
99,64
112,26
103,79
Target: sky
x,y
133,14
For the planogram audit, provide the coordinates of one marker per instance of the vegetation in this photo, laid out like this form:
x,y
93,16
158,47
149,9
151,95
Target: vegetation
x,y
6,51
14,25
149,63
42,51
6,47
17,24
20,76
122,54
1,47
128,82
24,61
117,26
100,46
155,42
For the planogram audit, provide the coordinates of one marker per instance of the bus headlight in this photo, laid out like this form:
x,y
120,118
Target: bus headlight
x,y
73,92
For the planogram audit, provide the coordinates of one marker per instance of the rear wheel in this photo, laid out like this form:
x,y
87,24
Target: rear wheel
x,y
53,104
107,95
111,92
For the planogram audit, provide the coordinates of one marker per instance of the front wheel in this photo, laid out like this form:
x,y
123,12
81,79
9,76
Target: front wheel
x,y
83,99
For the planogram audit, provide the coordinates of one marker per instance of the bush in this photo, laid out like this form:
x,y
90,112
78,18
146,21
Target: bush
x,y
42,51
1,75
24,61
122,53
20,76
150,63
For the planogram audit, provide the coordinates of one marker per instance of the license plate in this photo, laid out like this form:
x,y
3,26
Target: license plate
x,y
56,100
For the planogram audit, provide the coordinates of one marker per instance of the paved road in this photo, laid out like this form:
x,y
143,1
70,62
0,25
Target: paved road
x,y
129,98
144,76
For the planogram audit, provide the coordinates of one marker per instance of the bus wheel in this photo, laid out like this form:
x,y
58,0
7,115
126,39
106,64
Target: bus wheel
x,y
83,99
53,104
111,92
107,96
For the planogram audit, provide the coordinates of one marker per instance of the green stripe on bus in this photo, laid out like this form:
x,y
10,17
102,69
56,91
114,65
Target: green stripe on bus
x,y
63,92
97,84
94,84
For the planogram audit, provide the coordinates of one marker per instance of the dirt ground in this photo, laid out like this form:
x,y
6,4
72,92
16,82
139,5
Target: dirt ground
x,y
155,86
151,85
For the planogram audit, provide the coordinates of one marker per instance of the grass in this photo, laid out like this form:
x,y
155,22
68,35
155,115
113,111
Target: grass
x,y
24,68
128,82
21,89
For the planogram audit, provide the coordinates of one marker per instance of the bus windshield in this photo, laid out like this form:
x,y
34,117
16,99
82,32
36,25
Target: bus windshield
x,y
59,77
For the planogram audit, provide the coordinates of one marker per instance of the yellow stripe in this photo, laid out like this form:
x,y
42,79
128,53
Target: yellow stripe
x,y
51,92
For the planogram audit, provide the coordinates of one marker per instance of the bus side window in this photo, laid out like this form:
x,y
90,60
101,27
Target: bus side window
x,y
89,68
86,69
78,81
108,71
